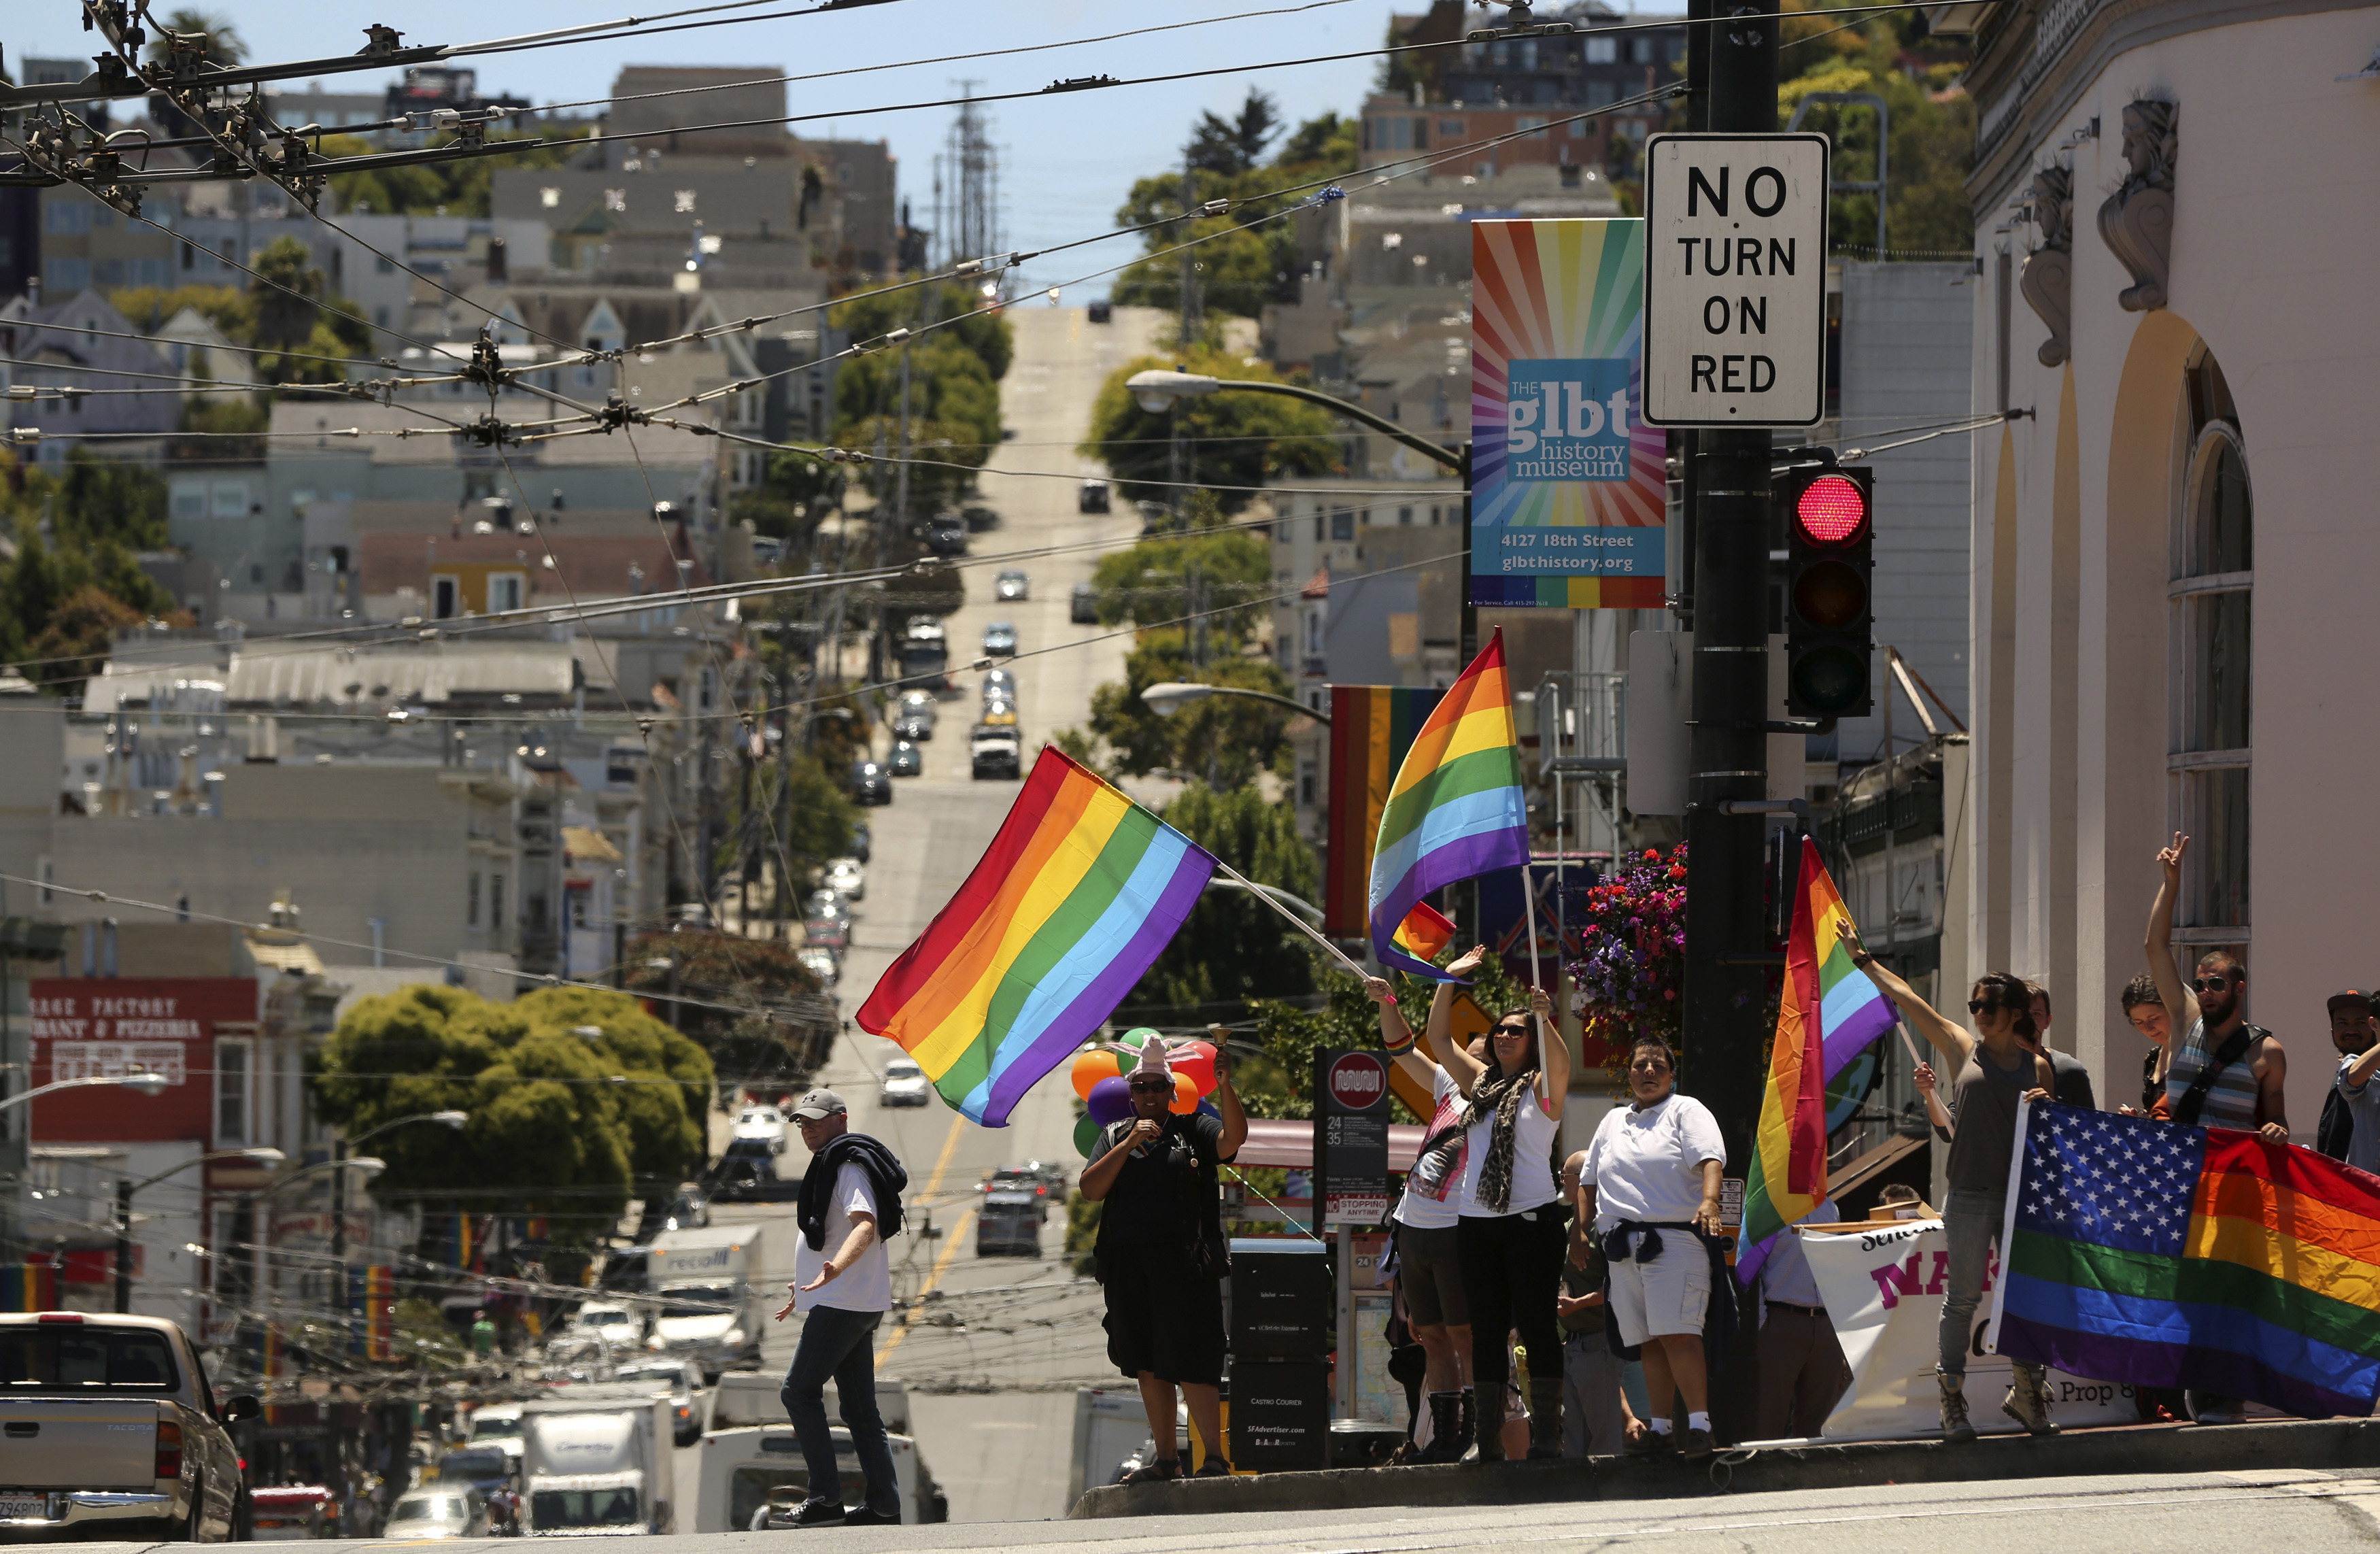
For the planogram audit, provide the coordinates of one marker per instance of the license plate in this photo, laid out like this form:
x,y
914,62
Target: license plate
x,y
24,1507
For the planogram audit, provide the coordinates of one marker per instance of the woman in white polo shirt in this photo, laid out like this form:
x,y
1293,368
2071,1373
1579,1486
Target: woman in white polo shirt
x,y
1651,1179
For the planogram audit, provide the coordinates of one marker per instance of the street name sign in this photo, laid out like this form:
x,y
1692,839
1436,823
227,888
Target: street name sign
x,y
1735,280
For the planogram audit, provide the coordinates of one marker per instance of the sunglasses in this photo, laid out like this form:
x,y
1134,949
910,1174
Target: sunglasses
x,y
1152,1087
2209,984
1518,1028
1984,1005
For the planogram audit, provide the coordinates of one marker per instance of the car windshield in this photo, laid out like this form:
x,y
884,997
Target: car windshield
x,y
487,1429
473,1465
554,1508
672,1373
699,1300
64,1357
429,1508
902,1071
598,1317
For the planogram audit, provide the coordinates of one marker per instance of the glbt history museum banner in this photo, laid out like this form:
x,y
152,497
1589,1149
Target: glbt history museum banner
x,y
1568,486
1883,1286
91,1026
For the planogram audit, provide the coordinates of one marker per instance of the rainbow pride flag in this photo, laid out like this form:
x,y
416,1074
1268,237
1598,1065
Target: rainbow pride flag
x,y
1425,933
1456,809
1371,729
1075,898
2165,1256
1829,1014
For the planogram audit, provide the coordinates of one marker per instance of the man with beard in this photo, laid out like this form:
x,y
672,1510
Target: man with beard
x,y
2224,1073
2350,1114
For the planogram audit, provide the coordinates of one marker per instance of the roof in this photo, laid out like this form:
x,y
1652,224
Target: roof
x,y
271,674
590,844
284,952
561,566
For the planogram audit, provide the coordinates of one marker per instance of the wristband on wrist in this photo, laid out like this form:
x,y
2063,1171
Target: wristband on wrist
x,y
1398,1049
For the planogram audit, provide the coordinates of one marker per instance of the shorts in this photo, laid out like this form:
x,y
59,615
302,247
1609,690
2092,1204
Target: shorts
x,y
1665,1296
1429,1272
1161,1318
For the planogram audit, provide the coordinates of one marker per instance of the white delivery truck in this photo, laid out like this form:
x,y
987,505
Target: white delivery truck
x,y
597,1465
710,1311
750,1449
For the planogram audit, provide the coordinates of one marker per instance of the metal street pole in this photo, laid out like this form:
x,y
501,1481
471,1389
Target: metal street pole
x,y
1727,741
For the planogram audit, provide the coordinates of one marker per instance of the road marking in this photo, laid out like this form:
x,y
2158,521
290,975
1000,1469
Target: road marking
x,y
951,1240
942,1163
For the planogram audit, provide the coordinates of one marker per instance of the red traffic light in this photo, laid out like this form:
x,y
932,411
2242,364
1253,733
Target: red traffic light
x,y
1831,511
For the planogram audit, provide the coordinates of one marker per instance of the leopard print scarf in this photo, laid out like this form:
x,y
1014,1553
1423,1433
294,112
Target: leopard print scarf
x,y
1498,1096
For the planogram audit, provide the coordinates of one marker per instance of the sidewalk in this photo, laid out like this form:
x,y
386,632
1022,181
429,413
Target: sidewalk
x,y
2296,1444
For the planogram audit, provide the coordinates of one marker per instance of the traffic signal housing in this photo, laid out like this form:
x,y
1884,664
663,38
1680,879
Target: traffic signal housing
x,y
1829,515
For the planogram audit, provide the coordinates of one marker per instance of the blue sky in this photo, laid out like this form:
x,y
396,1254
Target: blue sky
x,y
1067,162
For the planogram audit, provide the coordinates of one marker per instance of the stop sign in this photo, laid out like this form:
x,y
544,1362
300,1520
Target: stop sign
x,y
1359,1081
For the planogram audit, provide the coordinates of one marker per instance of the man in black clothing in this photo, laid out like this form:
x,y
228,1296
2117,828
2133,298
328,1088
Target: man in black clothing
x,y
2073,1081
1159,1229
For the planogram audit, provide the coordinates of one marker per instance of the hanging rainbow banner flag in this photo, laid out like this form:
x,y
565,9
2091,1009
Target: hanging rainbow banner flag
x,y
1829,1014
1371,729
1425,933
1568,486
29,1287
1077,895
1456,809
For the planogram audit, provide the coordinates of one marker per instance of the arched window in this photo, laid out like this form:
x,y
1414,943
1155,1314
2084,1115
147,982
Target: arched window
x,y
2211,589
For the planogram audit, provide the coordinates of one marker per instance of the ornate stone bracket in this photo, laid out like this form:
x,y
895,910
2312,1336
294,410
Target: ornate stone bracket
x,y
2049,277
2137,220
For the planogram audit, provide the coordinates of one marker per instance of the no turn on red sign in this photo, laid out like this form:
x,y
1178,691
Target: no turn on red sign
x,y
1735,280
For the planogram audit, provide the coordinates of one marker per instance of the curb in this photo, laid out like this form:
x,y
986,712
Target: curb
x,y
2319,1444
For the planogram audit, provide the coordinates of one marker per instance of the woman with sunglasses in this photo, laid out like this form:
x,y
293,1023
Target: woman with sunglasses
x,y
1155,1174
1510,1231
1992,1070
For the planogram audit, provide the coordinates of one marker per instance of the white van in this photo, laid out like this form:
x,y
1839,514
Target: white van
x,y
739,1467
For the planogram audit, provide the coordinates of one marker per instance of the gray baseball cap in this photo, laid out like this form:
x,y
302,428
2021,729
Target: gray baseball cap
x,y
820,1104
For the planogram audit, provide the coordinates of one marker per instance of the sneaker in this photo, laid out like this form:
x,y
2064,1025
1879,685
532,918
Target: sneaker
x,y
869,1516
819,1511
1696,1447
1164,1470
1213,1468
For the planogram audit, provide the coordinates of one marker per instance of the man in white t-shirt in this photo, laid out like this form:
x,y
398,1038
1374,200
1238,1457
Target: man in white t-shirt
x,y
842,1287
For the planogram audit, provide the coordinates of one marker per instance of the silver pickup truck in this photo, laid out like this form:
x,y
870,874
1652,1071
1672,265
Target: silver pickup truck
x,y
108,1428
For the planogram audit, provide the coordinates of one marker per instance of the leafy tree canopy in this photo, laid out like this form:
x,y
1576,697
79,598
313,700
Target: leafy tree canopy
x,y
1933,129
444,189
1233,146
1236,439
1233,948
1161,580
1226,740
1245,259
753,977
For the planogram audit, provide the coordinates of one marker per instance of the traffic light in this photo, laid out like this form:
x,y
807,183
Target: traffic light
x,y
1829,568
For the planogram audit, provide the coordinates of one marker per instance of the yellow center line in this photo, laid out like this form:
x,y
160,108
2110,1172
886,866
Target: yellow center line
x,y
951,1242
942,1163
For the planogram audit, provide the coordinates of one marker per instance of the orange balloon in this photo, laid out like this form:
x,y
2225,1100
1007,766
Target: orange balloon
x,y
1093,1066
1197,1060
1186,1094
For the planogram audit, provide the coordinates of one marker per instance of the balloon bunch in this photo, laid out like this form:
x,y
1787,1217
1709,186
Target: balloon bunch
x,y
1100,1077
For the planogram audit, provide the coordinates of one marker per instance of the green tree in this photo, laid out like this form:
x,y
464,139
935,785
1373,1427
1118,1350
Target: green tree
x,y
1245,258
228,308
222,44
1227,740
1932,131
1233,146
1161,580
462,188
1233,948
1237,439
578,1099
754,979
220,429
109,499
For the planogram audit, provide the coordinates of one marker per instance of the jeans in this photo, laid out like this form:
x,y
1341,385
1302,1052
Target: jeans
x,y
1972,1220
841,1344
1512,1271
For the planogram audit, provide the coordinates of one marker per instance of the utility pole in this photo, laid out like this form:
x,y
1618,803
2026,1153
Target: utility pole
x,y
1728,763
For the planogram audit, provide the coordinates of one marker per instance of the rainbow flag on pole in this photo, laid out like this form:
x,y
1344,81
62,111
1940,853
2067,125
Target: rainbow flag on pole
x,y
1075,898
1830,1012
2165,1256
1371,729
1456,811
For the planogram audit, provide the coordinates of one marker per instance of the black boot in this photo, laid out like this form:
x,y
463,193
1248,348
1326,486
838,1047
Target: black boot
x,y
1488,1427
1447,1436
1545,1419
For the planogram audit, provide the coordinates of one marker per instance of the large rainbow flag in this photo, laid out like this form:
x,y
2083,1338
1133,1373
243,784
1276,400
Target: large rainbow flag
x,y
2165,1256
1828,1014
1371,729
1456,809
1075,898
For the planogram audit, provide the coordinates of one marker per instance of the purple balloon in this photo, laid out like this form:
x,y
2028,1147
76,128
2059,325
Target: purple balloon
x,y
1109,1100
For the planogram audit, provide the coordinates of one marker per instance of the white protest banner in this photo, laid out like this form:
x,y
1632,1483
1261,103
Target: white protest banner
x,y
1883,1287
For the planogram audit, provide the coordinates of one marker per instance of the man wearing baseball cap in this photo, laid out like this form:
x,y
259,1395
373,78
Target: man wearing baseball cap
x,y
842,1286
2350,1114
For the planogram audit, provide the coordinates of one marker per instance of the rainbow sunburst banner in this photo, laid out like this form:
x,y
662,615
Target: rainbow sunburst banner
x,y
1568,486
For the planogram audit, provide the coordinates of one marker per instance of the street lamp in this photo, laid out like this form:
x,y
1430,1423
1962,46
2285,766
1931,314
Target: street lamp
x,y
369,1166
265,1155
1156,390
450,1118
1168,697
147,1083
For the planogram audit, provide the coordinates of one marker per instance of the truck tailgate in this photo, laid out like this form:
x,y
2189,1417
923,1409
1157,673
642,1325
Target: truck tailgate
x,y
77,1443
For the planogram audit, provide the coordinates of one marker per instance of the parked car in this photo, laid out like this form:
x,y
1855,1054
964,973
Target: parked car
x,y
870,784
847,878
1082,605
908,759
946,534
1012,584
1094,498
860,839
822,964
1000,639
903,1083
980,517
1102,311
437,1513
